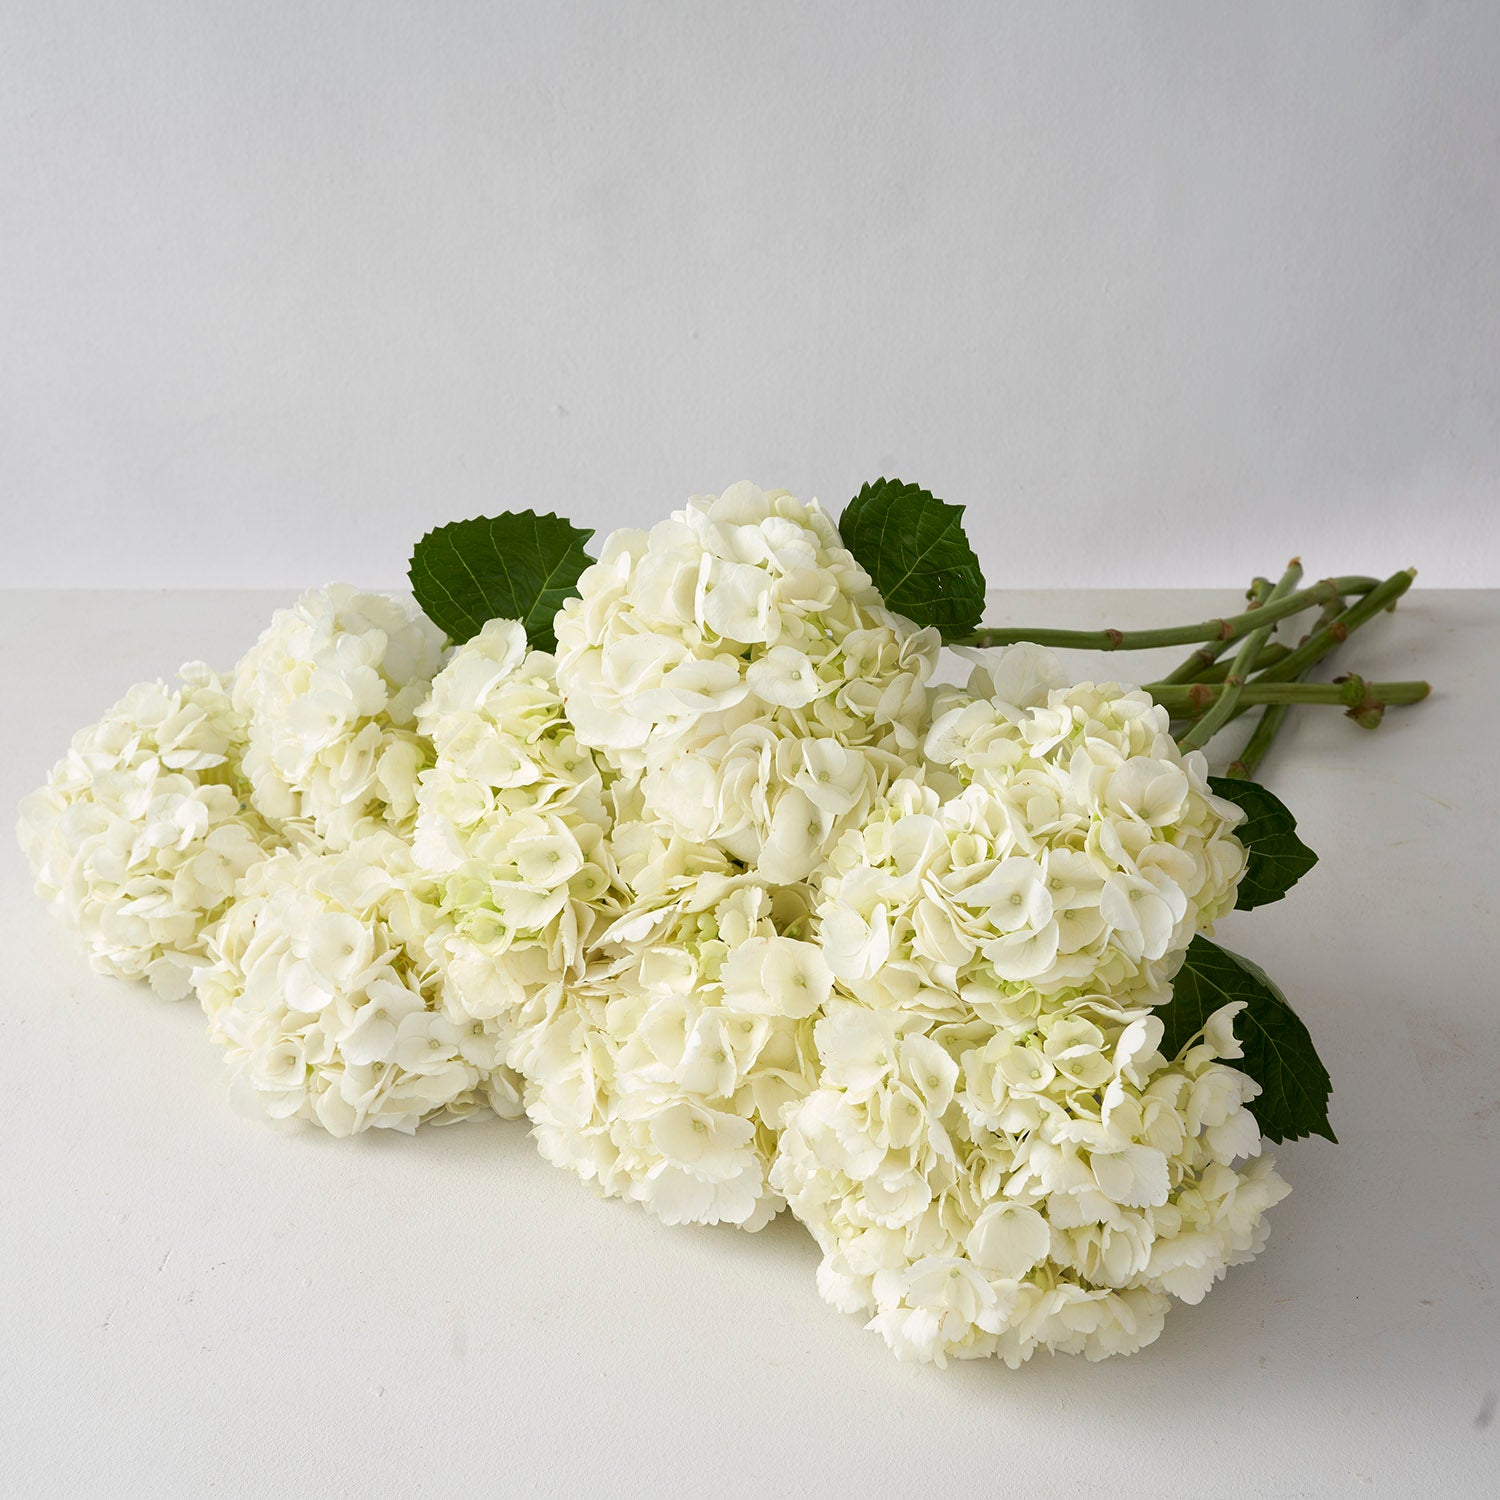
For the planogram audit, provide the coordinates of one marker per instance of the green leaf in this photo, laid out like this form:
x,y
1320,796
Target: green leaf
x,y
915,549
1279,1053
517,566
1278,859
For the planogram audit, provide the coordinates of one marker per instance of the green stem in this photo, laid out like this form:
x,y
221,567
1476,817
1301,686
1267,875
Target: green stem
x,y
1276,650
1332,630
1204,665
1329,591
1267,727
1191,699
1244,660
1272,717
1201,661
1327,638
1271,653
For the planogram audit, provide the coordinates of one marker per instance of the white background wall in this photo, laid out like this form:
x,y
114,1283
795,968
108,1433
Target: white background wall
x,y
1163,292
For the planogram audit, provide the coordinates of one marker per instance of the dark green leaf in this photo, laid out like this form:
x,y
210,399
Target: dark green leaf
x,y
1278,859
915,549
1279,1053
518,566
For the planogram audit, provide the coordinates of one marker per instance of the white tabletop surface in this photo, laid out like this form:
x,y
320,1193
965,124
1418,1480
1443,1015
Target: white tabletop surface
x,y
193,1304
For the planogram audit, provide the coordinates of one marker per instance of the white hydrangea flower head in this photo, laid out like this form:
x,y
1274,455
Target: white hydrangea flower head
x,y
142,830
1088,846
513,827
1098,758
958,907
330,692
662,1075
699,654
997,1158
991,1190
324,993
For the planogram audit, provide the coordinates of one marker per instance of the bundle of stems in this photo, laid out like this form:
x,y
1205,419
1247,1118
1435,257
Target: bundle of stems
x,y
1205,693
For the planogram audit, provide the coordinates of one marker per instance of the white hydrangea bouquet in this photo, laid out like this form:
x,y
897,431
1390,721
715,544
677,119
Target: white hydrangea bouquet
x,y
687,856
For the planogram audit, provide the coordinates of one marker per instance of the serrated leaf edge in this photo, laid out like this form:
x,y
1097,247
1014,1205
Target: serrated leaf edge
x,y
906,489
1279,1000
1256,852
579,539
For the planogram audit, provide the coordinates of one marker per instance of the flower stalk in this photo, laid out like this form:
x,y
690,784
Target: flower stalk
x,y
1205,694
1244,662
1330,591
1329,636
1196,698
1267,727
1204,660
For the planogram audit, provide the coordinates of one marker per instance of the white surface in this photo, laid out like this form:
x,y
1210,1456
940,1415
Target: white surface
x,y
194,1304
282,285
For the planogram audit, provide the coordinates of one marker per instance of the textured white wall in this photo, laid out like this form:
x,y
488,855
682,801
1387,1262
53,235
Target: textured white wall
x,y
1163,292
